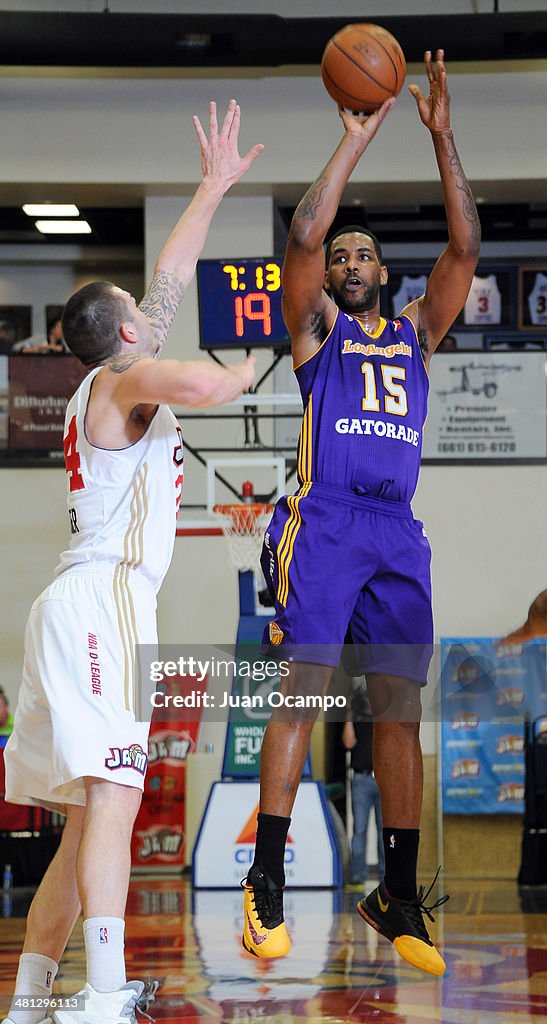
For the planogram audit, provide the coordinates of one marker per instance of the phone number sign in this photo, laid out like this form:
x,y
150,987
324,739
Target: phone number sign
x,y
485,405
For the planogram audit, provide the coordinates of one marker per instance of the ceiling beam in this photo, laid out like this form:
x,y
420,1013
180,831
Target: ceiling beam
x,y
68,39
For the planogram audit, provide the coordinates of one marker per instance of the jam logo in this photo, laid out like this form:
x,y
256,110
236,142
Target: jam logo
x,y
170,747
466,720
465,768
161,842
127,757
510,745
509,650
513,695
510,791
467,672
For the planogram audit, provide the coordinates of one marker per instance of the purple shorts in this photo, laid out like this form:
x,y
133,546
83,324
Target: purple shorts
x,y
336,562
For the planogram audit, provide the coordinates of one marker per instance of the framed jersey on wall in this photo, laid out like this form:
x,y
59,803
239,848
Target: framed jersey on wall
x,y
533,298
405,283
491,299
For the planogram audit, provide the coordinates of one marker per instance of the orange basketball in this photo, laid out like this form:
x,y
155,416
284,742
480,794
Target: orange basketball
x,y
362,66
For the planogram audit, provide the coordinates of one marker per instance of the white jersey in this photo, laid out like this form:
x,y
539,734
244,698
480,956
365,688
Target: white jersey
x,y
410,288
537,300
122,504
483,305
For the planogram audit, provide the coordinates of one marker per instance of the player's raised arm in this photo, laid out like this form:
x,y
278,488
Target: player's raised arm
x,y
144,381
452,275
221,167
307,309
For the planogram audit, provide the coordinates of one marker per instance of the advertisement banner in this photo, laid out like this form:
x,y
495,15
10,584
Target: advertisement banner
x,y
254,680
487,690
224,849
159,833
248,717
486,406
40,387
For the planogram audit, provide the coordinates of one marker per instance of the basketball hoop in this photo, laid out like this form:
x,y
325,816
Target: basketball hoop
x,y
243,525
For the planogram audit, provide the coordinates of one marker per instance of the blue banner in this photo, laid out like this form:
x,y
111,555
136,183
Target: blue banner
x,y
487,689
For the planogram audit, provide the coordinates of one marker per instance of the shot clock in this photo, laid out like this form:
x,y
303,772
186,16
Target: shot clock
x,y
240,304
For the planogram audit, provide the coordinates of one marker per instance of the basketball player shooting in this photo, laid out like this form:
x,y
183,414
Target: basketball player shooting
x,y
345,551
79,743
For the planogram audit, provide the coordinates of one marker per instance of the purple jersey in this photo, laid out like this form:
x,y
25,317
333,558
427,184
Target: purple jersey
x,y
365,404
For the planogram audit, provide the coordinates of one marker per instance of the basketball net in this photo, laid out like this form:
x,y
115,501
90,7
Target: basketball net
x,y
243,524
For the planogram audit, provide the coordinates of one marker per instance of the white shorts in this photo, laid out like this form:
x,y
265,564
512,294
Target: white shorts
x,y
76,711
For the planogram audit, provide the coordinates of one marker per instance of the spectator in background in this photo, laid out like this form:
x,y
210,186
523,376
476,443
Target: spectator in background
x,y
53,342
448,344
365,795
8,335
536,623
6,718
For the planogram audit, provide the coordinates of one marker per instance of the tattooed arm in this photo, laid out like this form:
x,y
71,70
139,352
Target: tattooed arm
x,y
221,167
160,304
307,309
450,280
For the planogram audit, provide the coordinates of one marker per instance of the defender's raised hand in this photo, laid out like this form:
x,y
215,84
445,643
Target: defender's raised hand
x,y
434,109
221,165
220,159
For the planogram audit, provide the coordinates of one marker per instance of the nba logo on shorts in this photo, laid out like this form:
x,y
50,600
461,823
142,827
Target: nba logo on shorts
x,y
103,935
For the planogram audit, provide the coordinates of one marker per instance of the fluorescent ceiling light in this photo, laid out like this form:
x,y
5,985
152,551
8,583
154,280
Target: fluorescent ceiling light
x,y
63,227
51,210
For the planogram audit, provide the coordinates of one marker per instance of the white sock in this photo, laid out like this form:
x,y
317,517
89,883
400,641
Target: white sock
x,y
35,978
104,948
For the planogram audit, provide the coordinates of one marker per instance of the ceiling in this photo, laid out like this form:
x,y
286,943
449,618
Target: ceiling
x,y
109,225
184,41
192,43
124,226
427,223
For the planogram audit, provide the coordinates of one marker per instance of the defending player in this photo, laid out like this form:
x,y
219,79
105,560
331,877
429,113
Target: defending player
x,y
346,549
79,743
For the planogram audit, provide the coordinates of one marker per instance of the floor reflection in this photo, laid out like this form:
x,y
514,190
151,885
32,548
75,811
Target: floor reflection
x,y
493,936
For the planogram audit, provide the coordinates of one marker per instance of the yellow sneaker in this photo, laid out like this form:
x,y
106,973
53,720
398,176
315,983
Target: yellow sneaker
x,y
264,932
403,924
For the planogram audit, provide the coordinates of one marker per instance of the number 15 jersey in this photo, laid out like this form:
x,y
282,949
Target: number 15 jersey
x,y
365,404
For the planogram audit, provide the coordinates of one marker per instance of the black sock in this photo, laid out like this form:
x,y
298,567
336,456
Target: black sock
x,y
401,853
271,836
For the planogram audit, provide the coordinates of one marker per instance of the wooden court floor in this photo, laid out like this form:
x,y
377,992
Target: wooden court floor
x,y
493,935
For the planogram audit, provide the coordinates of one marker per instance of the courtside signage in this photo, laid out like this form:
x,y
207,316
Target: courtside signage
x,y
224,848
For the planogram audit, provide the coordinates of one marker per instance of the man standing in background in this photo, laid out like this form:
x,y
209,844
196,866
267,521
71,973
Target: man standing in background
x,y
365,795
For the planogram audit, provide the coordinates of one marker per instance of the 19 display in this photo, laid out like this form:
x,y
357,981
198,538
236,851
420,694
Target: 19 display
x,y
240,304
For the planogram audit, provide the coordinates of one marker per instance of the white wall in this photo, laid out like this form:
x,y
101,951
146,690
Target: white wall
x,y
486,527
138,131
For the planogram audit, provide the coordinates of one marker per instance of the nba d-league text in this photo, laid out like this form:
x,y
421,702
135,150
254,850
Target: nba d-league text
x,y
223,670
